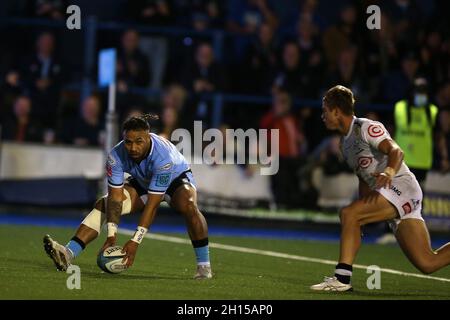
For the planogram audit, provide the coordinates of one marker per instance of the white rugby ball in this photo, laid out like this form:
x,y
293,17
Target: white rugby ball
x,y
110,260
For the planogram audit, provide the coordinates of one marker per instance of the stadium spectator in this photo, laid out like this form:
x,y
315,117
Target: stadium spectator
x,y
134,111
309,13
153,13
10,89
439,15
173,112
43,78
314,63
406,17
415,120
169,122
246,16
244,19
203,76
328,171
87,128
443,96
132,64
349,74
331,158
132,70
442,155
285,184
291,77
260,61
174,97
397,83
292,13
21,127
201,15
434,58
312,54
48,9
381,55
341,35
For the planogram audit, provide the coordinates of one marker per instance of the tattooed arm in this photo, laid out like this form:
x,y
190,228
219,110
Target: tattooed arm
x,y
113,212
114,205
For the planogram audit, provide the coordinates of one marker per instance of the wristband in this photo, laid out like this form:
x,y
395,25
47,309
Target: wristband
x,y
112,229
390,172
139,234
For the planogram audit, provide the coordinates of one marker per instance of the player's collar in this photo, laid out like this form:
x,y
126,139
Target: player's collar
x,y
350,129
151,147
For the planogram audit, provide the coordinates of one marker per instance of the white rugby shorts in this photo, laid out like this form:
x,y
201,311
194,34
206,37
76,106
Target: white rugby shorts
x,y
406,195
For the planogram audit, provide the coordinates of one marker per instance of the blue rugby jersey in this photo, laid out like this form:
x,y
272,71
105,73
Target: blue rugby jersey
x,y
154,173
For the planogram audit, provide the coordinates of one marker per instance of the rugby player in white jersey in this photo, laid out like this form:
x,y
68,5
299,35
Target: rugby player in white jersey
x,y
388,191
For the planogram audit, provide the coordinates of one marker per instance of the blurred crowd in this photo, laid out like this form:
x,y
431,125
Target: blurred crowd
x,y
293,50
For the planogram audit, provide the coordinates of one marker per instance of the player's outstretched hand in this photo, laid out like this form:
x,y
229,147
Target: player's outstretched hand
x,y
110,242
129,249
383,180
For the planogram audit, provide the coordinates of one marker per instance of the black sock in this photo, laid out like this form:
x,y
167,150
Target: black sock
x,y
343,272
199,243
79,241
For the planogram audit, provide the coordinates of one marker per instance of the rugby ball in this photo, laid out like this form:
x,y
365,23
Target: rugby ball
x,y
110,260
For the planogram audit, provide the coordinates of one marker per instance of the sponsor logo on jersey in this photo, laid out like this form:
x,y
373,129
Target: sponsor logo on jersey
x,y
407,208
166,166
415,203
111,161
375,131
108,170
364,162
163,180
398,192
109,164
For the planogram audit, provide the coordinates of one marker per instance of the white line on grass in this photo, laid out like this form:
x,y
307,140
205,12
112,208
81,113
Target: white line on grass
x,y
279,255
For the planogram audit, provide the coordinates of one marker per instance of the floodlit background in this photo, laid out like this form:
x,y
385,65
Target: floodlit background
x,y
261,64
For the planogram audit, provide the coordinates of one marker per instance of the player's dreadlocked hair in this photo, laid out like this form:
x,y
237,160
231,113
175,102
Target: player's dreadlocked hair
x,y
139,123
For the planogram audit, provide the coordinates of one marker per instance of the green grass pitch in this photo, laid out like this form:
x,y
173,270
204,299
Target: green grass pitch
x,y
164,270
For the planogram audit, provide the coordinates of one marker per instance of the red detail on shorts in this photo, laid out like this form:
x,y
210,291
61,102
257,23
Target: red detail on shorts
x,y
407,208
364,162
375,131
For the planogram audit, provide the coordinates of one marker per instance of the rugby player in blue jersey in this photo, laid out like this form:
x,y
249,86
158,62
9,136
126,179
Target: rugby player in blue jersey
x,y
158,171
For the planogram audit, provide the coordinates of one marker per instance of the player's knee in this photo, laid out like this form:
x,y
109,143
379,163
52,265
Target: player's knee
x,y
346,215
126,202
188,207
183,201
100,204
191,208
